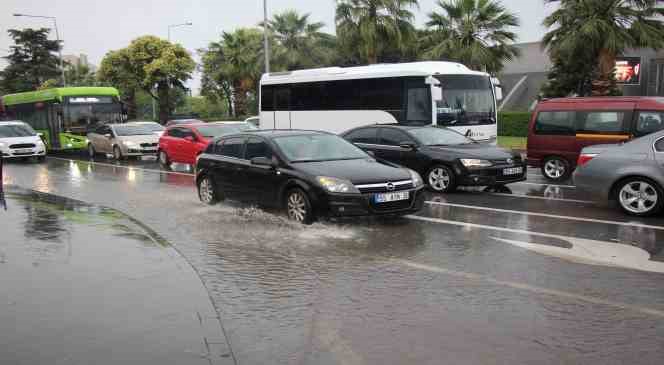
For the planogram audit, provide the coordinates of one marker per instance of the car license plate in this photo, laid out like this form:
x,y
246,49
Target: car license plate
x,y
23,150
513,171
391,197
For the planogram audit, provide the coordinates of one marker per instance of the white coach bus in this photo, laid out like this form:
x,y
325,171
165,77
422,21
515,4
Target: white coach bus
x,y
337,99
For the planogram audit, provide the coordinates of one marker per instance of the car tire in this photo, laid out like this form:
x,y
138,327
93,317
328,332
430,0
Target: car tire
x,y
441,179
117,153
298,206
556,169
91,151
164,161
207,191
41,159
639,197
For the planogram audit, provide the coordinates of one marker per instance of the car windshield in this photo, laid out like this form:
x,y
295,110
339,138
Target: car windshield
x,y
217,130
154,127
318,147
16,130
439,137
131,130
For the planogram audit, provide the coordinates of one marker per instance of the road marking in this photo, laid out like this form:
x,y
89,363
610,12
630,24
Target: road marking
x,y
555,216
531,288
543,198
124,167
540,184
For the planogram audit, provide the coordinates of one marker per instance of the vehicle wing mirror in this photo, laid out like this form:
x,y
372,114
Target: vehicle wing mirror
x,y
40,134
371,153
262,161
408,145
108,135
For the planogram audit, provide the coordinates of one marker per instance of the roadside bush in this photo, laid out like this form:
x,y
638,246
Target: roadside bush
x,y
513,124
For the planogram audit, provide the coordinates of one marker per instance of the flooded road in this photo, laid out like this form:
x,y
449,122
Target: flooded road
x,y
536,274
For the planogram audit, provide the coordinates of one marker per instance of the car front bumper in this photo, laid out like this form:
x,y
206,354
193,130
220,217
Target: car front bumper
x,y
348,205
22,153
139,151
490,176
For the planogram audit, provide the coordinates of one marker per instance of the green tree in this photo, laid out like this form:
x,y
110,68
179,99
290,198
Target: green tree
x,y
153,63
368,29
32,61
300,43
116,70
603,29
234,66
473,32
80,75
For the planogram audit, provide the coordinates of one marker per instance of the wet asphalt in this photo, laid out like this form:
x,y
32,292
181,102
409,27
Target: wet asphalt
x,y
533,275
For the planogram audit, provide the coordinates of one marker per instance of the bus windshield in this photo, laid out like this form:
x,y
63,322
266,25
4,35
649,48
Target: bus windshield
x,y
467,100
83,115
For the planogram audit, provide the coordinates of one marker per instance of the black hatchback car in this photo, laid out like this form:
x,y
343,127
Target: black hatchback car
x,y
309,173
446,159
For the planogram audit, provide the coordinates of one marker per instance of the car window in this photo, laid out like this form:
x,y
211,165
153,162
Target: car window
x,y
600,122
393,137
559,123
364,135
257,148
176,133
231,147
659,145
649,122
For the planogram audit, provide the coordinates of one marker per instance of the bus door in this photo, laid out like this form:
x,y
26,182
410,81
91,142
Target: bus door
x,y
54,119
282,113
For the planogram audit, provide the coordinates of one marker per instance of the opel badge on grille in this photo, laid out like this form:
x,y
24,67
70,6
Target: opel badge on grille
x,y
389,186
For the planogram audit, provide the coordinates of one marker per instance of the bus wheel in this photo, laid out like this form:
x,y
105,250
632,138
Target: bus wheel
x,y
117,154
91,150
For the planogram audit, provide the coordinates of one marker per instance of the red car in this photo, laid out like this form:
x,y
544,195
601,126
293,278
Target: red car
x,y
561,128
184,142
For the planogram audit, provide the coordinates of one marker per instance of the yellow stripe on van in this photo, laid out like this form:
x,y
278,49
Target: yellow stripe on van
x,y
614,137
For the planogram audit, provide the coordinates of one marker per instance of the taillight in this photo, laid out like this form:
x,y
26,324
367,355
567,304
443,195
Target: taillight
x,y
584,158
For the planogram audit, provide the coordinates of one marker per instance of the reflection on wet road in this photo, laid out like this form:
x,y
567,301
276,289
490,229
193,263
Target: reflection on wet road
x,y
478,277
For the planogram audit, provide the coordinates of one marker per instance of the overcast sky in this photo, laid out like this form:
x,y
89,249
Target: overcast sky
x,y
94,27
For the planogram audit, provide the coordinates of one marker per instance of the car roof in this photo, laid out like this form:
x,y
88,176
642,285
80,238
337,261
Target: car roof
x,y
12,122
228,122
142,122
605,99
274,133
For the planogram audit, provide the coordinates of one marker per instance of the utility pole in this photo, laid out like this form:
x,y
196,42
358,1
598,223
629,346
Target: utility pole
x,y
266,30
175,26
57,36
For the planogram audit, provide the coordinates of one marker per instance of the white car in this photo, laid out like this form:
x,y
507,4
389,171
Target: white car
x,y
19,140
155,127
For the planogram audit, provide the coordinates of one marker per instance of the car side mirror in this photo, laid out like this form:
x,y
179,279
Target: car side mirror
x,y
108,135
370,153
40,134
262,161
408,146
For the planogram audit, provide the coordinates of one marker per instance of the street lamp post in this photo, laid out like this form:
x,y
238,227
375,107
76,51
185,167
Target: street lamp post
x,y
57,36
175,26
266,29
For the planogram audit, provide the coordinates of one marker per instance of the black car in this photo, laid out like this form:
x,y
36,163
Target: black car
x,y
445,158
309,173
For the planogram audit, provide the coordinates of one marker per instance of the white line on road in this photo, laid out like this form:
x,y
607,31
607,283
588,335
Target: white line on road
x,y
555,216
531,288
543,198
124,167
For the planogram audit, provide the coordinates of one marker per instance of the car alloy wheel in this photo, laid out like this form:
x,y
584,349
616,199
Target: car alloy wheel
x,y
639,197
91,150
441,179
298,206
206,192
555,169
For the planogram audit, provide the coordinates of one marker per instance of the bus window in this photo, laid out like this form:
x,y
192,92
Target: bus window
x,y
282,98
267,98
419,102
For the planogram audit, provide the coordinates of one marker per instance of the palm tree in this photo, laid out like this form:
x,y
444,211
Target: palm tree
x,y
240,54
300,44
473,32
604,28
366,28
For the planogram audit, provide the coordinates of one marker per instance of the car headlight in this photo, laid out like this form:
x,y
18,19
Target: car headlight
x,y
417,179
129,143
3,145
334,185
472,162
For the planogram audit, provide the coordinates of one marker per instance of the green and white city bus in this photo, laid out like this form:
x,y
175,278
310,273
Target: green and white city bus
x,y
64,115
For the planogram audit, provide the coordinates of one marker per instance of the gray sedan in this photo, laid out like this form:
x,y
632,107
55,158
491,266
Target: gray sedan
x,y
631,174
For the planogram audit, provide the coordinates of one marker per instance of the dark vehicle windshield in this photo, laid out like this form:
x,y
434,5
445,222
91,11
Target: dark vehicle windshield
x,y
467,100
318,147
439,137
217,130
131,130
16,130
